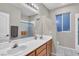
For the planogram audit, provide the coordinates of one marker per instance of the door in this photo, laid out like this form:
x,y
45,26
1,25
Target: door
x,y
4,26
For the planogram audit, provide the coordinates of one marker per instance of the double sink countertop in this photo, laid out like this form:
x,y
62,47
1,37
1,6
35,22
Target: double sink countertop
x,y
25,46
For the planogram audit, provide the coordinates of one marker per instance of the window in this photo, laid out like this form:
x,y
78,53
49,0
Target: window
x,y
63,22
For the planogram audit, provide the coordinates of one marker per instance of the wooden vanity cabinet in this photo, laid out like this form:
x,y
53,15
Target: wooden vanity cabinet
x,y
31,54
44,50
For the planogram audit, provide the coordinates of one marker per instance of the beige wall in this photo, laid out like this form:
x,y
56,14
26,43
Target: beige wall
x,y
66,39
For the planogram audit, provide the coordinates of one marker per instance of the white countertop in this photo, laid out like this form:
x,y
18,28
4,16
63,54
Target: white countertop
x,y
31,44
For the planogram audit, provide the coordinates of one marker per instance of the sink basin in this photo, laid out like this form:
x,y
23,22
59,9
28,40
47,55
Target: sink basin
x,y
16,50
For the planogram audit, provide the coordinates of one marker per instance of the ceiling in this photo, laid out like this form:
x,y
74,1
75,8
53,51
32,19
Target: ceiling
x,y
26,10
51,6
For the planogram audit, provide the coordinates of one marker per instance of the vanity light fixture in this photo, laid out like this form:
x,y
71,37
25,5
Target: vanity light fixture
x,y
33,6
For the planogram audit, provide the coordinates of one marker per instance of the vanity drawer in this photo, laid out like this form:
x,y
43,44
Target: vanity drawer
x,y
40,49
42,53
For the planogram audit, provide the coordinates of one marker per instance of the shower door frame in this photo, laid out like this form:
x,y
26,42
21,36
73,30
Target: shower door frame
x,y
76,31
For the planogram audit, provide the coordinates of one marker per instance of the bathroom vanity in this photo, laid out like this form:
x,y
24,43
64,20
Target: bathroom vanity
x,y
43,50
30,47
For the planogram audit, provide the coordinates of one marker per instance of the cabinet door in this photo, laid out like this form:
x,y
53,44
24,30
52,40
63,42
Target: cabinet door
x,y
49,48
42,53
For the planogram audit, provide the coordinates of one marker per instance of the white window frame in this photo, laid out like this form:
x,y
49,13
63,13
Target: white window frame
x,y
62,22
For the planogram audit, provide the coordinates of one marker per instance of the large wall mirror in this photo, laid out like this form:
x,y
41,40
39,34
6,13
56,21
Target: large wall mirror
x,y
26,29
